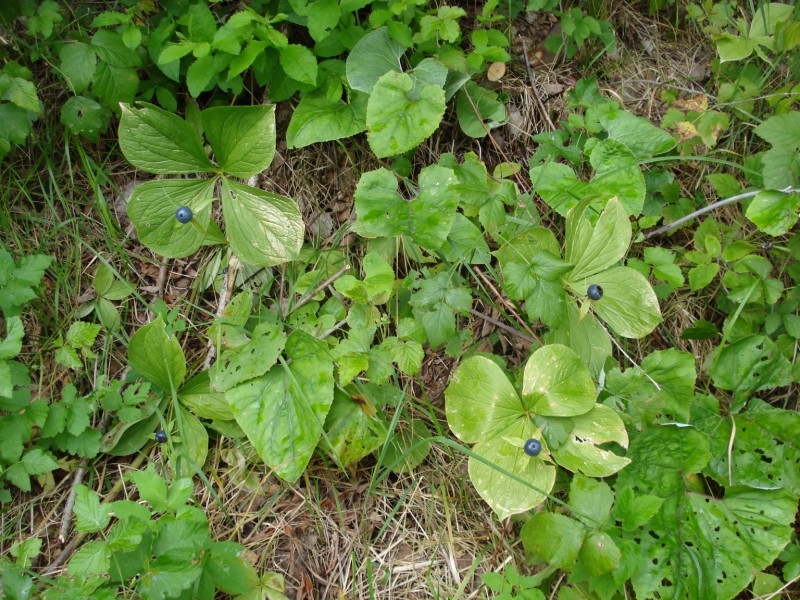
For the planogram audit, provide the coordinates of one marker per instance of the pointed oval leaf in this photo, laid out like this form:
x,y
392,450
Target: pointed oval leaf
x,y
157,141
592,250
402,111
242,137
557,383
480,400
585,336
197,395
264,229
507,496
152,207
156,356
629,305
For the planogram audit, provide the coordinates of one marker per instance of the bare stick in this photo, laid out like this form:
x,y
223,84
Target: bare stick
x,y
308,297
502,326
224,297
709,208
539,102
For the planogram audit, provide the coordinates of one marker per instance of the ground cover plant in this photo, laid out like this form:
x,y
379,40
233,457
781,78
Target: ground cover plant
x,y
352,298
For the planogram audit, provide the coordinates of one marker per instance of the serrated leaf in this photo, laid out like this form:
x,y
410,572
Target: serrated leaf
x,y
115,85
319,119
85,117
160,142
78,63
402,111
242,137
200,73
774,212
538,533
299,63
264,229
90,513
251,360
93,558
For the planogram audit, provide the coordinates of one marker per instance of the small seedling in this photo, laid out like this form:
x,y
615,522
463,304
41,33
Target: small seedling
x,y
595,292
161,436
183,214
533,447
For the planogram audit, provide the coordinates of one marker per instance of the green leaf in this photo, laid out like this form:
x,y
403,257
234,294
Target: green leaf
x,y
242,137
507,496
629,304
773,212
78,63
34,462
112,50
352,432
299,63
403,455
765,450
317,118
249,361
199,74
378,283
426,219
192,445
634,510
733,47
539,533
701,275
749,365
115,85
264,229
283,412
465,243
401,113
160,142
557,383
167,577
584,336
157,356
782,161
590,500
592,250
229,569
617,174
638,134
479,110
152,208
90,513
582,452
480,400
152,488
197,395
599,554
85,117
93,558
371,58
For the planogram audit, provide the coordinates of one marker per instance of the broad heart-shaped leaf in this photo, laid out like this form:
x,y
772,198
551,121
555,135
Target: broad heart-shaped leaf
x,y
581,453
585,336
282,413
557,383
352,432
264,229
774,212
480,400
629,304
156,356
749,365
710,548
426,219
594,249
638,134
152,207
766,446
507,496
242,137
157,141
317,118
373,56
402,111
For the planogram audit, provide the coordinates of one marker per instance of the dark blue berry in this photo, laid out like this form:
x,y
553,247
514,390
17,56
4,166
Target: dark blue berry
x,y
161,436
767,246
533,447
183,214
595,292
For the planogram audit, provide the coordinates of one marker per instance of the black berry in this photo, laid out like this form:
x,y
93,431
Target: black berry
x,y
595,292
183,214
533,447
161,436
